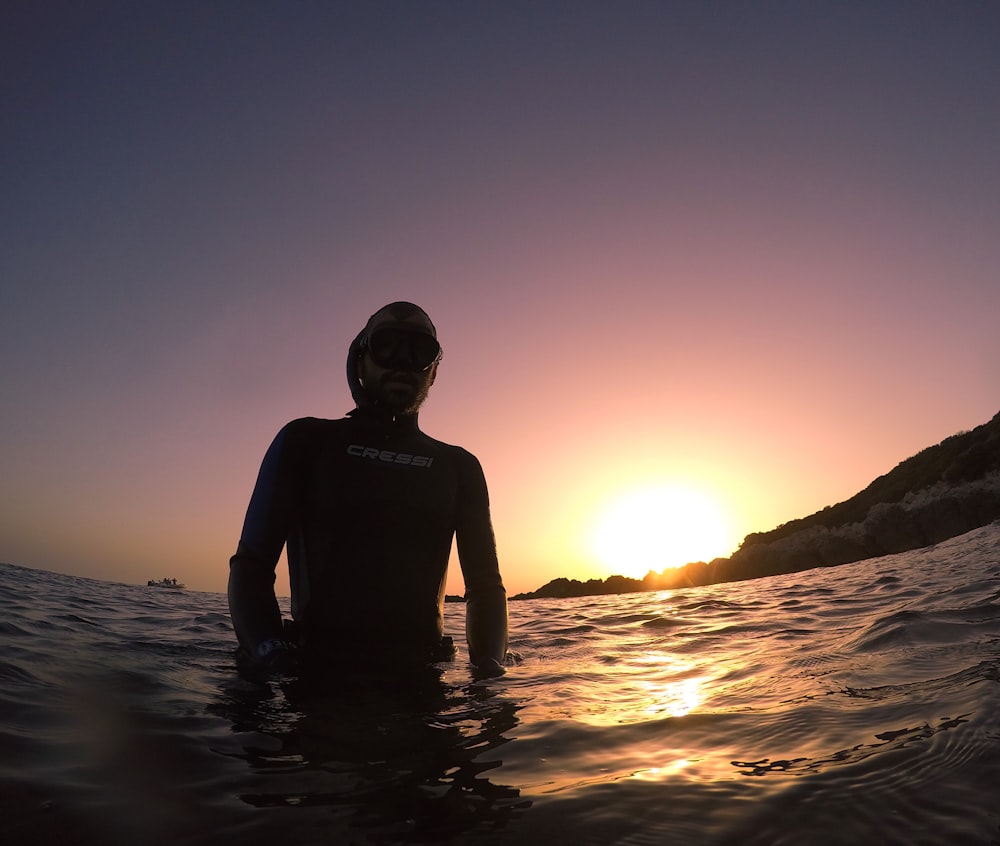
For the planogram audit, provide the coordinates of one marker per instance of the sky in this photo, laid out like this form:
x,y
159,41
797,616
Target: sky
x,y
744,254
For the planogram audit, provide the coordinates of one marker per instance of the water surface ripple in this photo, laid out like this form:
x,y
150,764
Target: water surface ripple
x,y
850,705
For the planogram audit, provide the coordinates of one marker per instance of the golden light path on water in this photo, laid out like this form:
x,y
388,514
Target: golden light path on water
x,y
653,686
651,690
662,703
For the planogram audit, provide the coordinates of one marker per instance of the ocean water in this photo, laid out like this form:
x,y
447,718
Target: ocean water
x,y
852,705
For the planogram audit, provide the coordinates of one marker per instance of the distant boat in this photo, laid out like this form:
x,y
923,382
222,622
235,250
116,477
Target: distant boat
x,y
173,584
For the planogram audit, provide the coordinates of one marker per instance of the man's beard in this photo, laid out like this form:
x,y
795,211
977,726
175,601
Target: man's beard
x,y
402,402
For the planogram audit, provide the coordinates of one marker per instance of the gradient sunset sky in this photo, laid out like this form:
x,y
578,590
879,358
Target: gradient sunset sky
x,y
749,250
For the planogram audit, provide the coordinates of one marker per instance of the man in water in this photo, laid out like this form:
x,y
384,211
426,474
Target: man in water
x,y
368,506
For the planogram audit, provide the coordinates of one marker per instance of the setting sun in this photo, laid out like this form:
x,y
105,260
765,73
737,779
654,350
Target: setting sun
x,y
660,526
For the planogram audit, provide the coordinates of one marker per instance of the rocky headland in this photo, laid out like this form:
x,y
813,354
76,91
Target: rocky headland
x,y
943,491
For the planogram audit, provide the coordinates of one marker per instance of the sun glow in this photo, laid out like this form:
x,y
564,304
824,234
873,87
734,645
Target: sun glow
x,y
658,527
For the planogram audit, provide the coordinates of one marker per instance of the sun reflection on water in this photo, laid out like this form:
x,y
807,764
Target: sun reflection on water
x,y
653,687
675,699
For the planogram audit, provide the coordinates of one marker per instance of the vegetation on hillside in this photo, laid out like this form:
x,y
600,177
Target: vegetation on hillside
x,y
964,457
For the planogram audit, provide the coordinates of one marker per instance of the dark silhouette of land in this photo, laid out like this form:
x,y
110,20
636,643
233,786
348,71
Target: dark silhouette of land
x,y
943,491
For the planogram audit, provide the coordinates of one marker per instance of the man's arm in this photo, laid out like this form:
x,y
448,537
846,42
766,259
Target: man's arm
x,y
253,606
486,626
252,603
486,599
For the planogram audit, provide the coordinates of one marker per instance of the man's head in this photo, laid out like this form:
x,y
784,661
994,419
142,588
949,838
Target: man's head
x,y
393,360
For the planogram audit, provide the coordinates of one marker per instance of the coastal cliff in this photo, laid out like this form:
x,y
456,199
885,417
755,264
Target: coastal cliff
x,y
943,491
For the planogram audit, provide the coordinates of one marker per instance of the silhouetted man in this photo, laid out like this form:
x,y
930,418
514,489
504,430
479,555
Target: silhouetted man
x,y
367,506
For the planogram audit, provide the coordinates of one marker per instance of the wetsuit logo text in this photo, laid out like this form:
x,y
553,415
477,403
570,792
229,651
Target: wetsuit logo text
x,y
389,456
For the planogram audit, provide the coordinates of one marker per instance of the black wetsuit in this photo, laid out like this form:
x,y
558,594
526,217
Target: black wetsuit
x,y
368,507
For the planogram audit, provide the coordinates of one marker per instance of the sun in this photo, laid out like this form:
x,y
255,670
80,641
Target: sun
x,y
657,527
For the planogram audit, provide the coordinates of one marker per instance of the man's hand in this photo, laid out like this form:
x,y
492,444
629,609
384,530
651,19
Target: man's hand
x,y
276,656
270,657
487,668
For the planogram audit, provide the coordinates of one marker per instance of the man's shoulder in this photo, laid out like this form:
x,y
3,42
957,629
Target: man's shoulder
x,y
460,455
316,423
306,428
443,446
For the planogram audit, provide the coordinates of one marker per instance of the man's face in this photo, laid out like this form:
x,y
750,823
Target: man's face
x,y
400,389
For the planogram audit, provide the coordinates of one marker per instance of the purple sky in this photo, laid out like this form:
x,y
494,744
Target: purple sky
x,y
748,249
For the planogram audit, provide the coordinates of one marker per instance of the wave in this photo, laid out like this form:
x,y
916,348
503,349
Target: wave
x,y
846,705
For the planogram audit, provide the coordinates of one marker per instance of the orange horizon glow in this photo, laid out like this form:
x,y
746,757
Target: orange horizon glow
x,y
654,257
659,526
